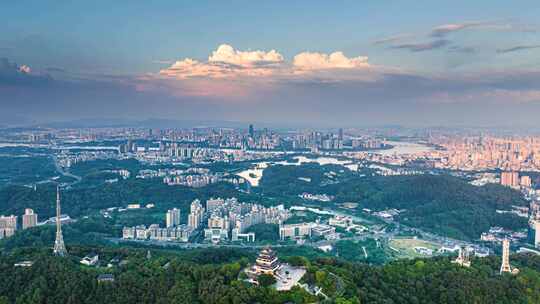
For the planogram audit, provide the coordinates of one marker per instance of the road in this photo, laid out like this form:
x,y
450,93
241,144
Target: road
x,y
428,236
60,170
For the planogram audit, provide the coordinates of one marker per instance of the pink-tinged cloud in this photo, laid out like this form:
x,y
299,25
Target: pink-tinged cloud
x,y
234,72
445,29
190,68
204,86
392,39
321,61
494,96
228,63
209,88
516,96
25,69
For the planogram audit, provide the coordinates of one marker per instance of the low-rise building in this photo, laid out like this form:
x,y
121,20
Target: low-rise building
x,y
105,278
295,231
90,260
237,236
24,264
180,233
340,221
216,235
322,230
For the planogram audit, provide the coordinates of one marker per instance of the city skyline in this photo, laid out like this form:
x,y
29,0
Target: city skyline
x,y
354,64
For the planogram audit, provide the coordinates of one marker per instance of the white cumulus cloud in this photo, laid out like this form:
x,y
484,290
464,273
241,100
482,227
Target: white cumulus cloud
x,y
227,54
226,62
336,60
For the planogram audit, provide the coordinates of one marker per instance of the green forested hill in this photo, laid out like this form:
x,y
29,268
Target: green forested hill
x,y
440,203
443,204
84,200
216,278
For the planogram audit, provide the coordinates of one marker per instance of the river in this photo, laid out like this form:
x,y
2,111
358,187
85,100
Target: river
x,y
254,175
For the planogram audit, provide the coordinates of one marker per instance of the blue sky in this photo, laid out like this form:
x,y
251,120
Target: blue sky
x,y
472,55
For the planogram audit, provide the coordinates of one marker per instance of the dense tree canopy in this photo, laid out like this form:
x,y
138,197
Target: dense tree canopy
x,y
441,203
181,277
84,200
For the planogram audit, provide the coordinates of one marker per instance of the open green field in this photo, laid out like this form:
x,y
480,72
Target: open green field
x,y
405,247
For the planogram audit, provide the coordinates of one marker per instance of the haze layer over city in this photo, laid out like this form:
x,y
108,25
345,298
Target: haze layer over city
x,y
274,152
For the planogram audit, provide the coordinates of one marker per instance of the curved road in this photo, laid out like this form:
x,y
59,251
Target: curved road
x,y
65,173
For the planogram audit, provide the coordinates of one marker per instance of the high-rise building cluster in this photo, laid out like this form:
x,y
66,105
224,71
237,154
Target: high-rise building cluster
x,y
172,218
482,153
229,218
515,180
9,224
510,179
226,219
201,143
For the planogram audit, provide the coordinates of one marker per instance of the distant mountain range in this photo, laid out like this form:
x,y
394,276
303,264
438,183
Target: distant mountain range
x,y
7,121
13,120
147,123
159,123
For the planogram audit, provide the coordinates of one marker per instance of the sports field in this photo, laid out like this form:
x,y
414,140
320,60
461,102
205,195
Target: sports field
x,y
404,247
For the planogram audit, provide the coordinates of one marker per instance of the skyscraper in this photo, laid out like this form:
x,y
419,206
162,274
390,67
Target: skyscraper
x,y
29,219
196,215
59,246
251,131
525,181
173,218
510,179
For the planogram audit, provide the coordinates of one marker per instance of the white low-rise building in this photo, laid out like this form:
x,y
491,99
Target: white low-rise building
x,y
90,260
295,231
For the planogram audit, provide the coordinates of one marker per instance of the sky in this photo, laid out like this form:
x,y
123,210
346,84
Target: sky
x,y
339,63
